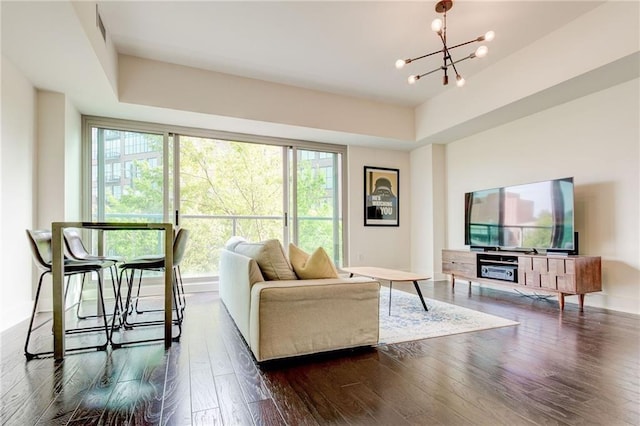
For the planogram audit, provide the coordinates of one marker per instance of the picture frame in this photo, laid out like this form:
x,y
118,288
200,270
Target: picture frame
x,y
381,196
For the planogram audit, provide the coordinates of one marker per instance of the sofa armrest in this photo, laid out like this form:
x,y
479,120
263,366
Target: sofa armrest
x,y
298,317
235,287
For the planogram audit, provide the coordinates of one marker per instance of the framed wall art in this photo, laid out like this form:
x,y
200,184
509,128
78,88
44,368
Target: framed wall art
x,y
381,196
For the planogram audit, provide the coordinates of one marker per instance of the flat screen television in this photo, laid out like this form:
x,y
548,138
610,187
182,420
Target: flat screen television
x,y
532,216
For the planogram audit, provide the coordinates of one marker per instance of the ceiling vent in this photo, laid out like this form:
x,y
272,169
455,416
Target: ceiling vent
x,y
100,25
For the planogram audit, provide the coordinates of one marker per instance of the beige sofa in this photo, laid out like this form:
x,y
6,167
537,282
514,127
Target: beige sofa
x,y
281,316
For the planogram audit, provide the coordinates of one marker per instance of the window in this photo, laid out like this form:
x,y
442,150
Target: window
x,y
221,188
139,201
116,171
328,177
112,148
319,217
108,172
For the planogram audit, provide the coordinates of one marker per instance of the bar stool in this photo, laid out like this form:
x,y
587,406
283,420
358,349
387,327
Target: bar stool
x,y
40,244
77,250
151,263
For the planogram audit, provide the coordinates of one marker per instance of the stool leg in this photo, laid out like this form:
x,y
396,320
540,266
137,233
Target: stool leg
x,y
175,303
118,309
138,294
104,314
184,299
33,315
113,284
80,299
129,304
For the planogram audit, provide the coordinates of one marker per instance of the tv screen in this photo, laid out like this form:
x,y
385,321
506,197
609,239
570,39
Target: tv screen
x,y
532,216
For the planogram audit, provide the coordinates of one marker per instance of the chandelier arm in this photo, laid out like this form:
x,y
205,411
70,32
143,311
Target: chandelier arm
x,y
429,72
425,56
443,68
471,56
448,56
418,77
465,43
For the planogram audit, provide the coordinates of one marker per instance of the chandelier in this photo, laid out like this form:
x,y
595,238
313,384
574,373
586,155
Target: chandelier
x,y
439,26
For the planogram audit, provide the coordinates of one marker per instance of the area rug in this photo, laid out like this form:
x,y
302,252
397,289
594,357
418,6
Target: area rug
x,y
409,321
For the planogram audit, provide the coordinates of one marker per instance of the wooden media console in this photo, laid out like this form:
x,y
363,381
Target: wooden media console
x,y
564,275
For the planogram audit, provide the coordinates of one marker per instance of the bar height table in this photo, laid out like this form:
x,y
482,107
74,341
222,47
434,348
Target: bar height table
x,y
57,273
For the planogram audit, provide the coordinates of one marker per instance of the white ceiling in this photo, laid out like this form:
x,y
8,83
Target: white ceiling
x,y
344,47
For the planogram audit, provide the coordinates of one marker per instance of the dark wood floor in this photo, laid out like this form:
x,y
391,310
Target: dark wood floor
x,y
554,368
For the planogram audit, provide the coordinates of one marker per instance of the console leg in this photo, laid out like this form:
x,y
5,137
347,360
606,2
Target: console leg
x,y
561,301
581,300
453,281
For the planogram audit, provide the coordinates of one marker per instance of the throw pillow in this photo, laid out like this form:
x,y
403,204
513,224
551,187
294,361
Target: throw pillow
x,y
316,265
255,274
270,257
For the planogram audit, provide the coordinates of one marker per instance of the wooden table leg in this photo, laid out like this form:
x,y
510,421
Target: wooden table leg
x,y
390,287
168,284
561,301
581,301
57,276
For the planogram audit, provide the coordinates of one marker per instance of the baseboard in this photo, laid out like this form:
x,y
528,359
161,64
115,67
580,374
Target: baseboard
x,y
439,276
14,314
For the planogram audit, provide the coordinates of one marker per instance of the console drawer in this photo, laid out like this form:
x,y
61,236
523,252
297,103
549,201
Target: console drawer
x,y
459,263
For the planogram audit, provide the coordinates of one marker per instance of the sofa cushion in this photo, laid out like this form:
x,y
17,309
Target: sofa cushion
x,y
270,257
314,266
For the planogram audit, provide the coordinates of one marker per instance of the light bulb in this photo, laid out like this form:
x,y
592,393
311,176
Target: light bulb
x,y
412,79
460,81
490,35
400,63
436,25
481,51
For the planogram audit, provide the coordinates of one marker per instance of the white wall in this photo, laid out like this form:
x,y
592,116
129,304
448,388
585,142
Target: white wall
x,y
72,162
50,158
59,175
40,183
428,218
17,194
154,83
595,139
105,51
383,246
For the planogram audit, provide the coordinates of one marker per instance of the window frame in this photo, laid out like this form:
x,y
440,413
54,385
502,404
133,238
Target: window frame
x,y
88,122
